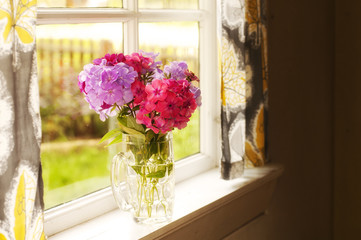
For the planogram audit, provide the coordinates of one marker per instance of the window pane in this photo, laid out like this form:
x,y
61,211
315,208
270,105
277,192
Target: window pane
x,y
177,41
175,4
80,3
74,164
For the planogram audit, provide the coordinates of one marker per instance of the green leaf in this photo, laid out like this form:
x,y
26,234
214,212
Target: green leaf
x,y
170,168
133,132
124,111
111,134
149,136
157,174
137,169
129,126
114,107
117,139
132,123
136,108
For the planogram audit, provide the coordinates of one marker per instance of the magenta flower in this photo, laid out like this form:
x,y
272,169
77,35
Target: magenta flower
x,y
111,59
159,122
188,108
157,90
181,122
169,108
138,90
191,76
142,118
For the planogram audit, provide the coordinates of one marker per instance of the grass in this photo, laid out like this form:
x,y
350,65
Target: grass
x,y
75,168
68,166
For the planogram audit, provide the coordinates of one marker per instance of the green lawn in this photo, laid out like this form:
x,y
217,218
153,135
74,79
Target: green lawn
x,y
74,168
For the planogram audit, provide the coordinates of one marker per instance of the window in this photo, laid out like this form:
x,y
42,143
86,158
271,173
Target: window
x,y
71,34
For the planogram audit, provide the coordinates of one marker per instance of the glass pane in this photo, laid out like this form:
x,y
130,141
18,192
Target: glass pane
x,y
176,41
80,3
175,4
74,164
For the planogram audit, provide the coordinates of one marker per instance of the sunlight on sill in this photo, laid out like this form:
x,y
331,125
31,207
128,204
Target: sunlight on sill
x,y
201,201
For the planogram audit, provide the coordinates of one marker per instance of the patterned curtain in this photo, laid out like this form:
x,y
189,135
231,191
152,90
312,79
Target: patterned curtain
x,y
21,186
244,76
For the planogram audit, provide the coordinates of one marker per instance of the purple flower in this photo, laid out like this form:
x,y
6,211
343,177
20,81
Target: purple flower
x,y
197,94
105,86
176,70
97,61
108,77
155,65
126,74
112,94
158,74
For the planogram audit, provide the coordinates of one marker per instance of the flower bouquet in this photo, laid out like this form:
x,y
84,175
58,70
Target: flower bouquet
x,y
149,103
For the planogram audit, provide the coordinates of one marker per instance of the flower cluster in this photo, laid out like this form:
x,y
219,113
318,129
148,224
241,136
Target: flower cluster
x,y
105,86
135,86
169,104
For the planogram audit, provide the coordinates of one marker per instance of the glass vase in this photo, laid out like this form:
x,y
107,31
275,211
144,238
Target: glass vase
x,y
142,177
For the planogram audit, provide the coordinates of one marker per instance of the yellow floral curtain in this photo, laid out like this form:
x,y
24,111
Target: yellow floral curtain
x,y
21,186
244,76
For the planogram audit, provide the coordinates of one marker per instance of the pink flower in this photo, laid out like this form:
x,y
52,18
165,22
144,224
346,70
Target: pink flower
x,y
105,105
181,122
156,91
149,106
81,86
141,118
191,76
189,106
133,60
138,90
120,58
169,125
111,59
146,62
159,123
169,108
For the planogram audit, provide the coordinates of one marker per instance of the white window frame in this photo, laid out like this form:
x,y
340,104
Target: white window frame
x,y
69,214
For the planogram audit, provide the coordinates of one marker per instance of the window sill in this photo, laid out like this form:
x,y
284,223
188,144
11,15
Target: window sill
x,y
206,207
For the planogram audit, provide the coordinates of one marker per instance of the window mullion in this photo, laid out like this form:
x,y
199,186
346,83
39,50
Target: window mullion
x,y
81,15
209,117
131,28
164,15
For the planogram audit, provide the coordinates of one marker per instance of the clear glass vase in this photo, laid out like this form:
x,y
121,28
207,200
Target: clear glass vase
x,y
142,177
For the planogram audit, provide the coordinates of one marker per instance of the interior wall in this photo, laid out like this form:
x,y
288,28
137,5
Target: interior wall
x,y
347,194
301,66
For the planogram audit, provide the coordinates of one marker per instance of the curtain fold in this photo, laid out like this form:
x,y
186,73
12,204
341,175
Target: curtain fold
x,y
243,65
21,186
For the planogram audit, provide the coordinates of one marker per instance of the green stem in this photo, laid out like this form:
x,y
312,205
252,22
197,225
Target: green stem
x,y
131,110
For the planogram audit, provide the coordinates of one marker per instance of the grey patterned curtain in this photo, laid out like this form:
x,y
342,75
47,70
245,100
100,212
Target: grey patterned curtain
x,y
21,204
244,76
